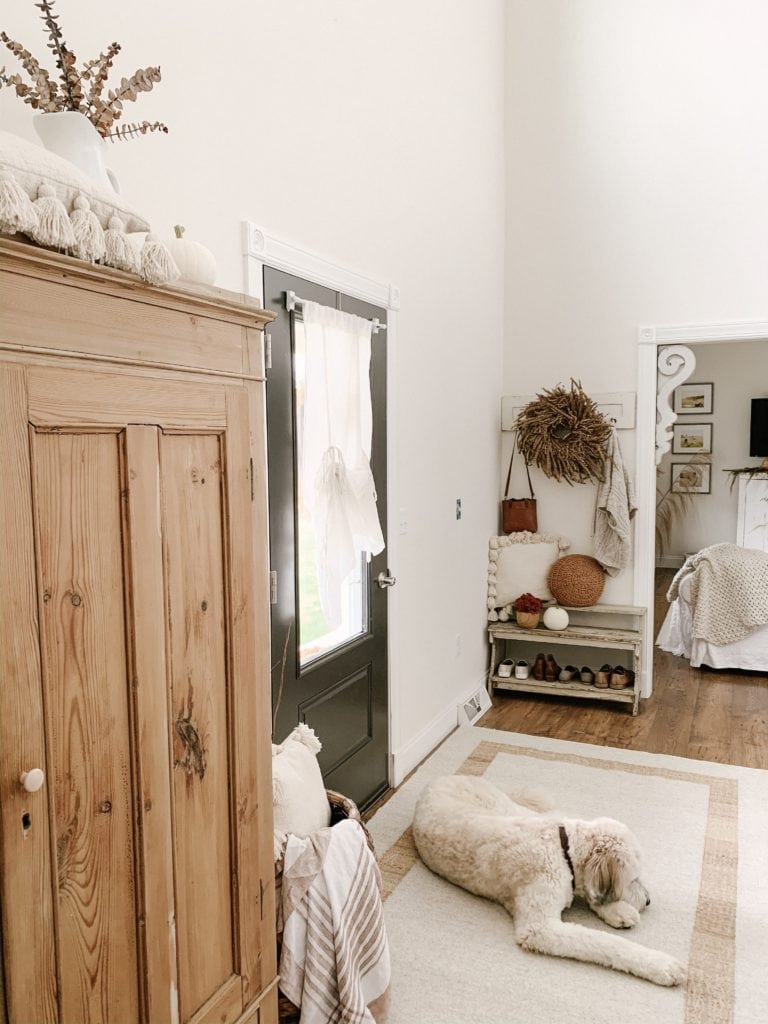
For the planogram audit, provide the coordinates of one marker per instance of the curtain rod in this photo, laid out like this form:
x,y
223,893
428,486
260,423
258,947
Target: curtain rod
x,y
292,303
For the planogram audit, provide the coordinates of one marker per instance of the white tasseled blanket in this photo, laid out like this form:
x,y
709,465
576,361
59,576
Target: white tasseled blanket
x,y
729,592
334,961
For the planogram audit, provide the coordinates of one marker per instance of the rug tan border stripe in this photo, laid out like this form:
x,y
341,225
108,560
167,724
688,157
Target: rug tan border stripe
x,y
711,986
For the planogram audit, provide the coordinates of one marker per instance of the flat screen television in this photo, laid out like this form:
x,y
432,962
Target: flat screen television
x,y
758,430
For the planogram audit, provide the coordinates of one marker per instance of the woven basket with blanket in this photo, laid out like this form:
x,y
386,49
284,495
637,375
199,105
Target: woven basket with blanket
x,y
342,809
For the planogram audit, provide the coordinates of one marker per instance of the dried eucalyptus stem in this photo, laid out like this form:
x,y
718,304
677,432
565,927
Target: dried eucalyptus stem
x,y
65,58
127,131
43,95
102,67
49,96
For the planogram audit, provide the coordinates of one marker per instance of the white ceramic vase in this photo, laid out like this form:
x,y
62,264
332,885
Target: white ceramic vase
x,y
70,134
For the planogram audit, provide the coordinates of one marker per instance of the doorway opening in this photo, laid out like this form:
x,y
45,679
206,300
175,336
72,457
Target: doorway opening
x,y
667,362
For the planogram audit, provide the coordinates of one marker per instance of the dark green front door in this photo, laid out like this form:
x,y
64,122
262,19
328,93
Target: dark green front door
x,y
334,679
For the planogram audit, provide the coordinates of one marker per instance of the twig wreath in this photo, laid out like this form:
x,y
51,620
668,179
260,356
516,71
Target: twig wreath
x,y
563,434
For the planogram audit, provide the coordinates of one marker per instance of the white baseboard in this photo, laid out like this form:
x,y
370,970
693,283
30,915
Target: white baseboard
x,y
645,684
424,742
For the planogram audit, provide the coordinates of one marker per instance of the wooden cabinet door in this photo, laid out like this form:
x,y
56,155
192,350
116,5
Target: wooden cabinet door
x,y
132,885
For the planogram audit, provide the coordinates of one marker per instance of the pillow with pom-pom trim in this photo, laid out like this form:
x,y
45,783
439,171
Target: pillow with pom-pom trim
x,y
29,165
298,794
48,199
519,563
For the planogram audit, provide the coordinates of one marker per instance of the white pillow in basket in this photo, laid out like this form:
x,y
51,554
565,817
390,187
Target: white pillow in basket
x,y
298,793
31,165
519,564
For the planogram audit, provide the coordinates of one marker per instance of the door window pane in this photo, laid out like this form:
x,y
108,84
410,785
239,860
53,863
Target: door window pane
x,y
316,639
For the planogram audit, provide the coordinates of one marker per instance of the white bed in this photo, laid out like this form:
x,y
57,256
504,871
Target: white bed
x,y
676,637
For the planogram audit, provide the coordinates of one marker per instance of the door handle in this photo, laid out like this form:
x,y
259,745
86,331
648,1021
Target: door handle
x,y
385,581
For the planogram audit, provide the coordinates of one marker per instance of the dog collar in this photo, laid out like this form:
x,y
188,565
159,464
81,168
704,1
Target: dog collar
x,y
567,854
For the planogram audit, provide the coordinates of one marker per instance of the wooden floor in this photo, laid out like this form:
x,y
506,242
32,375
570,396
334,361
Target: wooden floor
x,y
698,713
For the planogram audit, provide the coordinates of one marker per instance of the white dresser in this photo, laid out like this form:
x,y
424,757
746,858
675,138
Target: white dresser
x,y
752,521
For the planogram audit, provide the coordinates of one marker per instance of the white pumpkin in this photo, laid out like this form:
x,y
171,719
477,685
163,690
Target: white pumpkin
x,y
196,263
556,617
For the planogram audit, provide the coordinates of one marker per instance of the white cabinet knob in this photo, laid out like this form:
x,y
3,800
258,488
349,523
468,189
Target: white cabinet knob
x,y
32,780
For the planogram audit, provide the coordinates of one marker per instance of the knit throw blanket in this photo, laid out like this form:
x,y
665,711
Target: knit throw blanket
x,y
729,592
334,960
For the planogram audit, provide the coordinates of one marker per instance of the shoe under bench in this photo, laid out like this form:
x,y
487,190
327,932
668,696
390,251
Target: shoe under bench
x,y
590,628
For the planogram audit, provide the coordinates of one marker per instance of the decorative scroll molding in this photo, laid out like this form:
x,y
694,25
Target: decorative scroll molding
x,y
675,364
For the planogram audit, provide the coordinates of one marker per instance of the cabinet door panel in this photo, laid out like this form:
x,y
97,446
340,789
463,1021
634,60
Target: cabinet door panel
x,y
144,573
77,487
27,903
194,539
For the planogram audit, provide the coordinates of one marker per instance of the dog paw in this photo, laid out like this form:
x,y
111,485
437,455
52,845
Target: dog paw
x,y
620,915
667,971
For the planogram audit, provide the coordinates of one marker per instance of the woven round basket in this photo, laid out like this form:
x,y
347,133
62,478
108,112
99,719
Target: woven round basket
x,y
576,580
341,809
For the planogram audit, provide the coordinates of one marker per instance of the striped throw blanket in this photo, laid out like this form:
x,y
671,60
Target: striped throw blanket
x,y
334,960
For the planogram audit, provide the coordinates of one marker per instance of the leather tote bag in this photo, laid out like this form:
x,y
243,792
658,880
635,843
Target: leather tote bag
x,y
518,514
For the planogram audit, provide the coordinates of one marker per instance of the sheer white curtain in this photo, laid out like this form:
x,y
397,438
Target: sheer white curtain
x,y
337,481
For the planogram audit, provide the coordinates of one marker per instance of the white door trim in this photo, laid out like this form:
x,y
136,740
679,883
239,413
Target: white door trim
x,y
261,249
650,339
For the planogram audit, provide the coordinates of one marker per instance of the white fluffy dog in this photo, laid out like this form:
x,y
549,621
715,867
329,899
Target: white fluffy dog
x,y
509,849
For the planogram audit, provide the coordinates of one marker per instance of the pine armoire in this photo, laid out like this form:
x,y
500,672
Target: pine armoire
x,y
135,761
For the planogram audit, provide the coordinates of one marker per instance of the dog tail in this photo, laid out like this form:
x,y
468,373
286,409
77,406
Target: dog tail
x,y
531,796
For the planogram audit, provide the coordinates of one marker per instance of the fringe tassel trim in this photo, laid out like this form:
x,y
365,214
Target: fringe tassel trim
x,y
157,264
118,251
16,210
47,222
54,228
89,234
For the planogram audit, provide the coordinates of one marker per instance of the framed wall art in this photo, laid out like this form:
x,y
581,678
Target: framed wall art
x,y
691,437
691,478
694,399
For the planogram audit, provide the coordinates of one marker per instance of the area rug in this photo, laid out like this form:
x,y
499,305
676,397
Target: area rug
x,y
704,832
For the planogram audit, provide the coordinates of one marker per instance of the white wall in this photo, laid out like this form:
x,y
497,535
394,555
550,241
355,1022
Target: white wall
x,y
372,134
637,156
739,373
